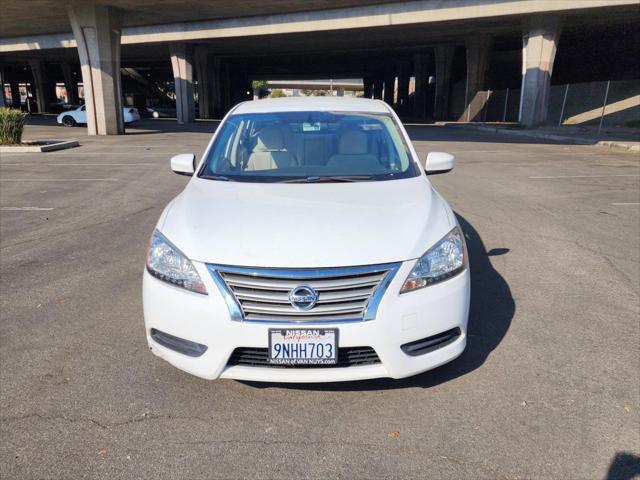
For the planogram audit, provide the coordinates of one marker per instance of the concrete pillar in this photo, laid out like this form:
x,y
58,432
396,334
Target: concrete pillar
x,y
234,86
70,84
421,66
444,63
478,52
378,85
367,84
389,85
182,64
403,85
15,95
226,91
96,29
41,83
539,44
205,76
218,107
245,87
3,103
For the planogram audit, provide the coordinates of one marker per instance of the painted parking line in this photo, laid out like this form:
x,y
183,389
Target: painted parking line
x,y
584,176
87,154
58,179
625,203
25,209
34,164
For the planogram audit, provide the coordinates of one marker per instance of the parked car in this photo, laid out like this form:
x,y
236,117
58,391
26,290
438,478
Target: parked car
x,y
167,111
59,107
71,118
159,111
308,235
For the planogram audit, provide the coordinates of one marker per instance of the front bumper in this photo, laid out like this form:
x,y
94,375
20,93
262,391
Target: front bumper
x,y
401,319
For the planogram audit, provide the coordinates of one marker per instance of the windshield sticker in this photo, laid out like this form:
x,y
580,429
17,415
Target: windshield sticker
x,y
311,127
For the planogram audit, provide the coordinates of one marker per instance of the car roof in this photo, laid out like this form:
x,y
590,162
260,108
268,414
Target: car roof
x,y
308,104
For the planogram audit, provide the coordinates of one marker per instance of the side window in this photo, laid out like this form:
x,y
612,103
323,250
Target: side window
x,y
82,109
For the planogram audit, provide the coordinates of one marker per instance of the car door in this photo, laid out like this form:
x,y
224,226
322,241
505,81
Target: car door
x,y
81,115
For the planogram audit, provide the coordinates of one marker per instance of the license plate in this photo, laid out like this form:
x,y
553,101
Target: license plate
x,y
303,346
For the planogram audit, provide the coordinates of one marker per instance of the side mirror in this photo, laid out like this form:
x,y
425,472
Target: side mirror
x,y
184,164
439,162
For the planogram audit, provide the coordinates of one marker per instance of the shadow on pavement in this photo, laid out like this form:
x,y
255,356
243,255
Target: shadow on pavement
x,y
624,466
144,126
169,125
462,133
491,311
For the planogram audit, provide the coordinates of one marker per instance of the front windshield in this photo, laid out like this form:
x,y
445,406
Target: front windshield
x,y
307,147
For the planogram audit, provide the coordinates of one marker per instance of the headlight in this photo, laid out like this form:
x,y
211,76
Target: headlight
x,y
444,260
166,262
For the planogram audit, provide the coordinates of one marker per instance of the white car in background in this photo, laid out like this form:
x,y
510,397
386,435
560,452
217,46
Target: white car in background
x,y
71,118
308,246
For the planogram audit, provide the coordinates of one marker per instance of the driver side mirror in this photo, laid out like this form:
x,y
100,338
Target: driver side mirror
x,y
184,164
439,162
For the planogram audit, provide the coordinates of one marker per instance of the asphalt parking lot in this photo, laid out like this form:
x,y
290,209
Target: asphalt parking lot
x,y
547,388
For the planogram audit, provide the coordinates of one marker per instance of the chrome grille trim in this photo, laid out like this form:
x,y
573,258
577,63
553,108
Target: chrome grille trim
x,y
345,294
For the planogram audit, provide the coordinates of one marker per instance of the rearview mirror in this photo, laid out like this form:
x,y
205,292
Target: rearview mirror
x,y
184,164
439,162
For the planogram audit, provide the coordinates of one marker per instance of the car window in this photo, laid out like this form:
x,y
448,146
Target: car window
x,y
82,109
309,146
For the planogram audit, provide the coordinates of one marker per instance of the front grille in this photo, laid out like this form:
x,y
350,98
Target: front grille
x,y
347,357
343,294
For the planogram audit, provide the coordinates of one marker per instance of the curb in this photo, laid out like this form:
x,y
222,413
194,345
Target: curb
x,y
619,145
629,147
38,147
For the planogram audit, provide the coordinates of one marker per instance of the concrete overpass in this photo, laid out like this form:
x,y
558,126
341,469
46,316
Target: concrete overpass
x,y
466,46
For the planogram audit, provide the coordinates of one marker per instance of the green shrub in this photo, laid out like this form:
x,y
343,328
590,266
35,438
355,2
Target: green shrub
x,y
11,125
277,93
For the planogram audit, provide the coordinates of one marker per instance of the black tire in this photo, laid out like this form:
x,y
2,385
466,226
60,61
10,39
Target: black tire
x,y
68,121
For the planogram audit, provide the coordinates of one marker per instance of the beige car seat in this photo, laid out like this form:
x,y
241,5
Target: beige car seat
x,y
353,153
270,152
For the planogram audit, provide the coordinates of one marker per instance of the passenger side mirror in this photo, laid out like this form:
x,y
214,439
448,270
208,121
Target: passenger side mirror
x,y
184,164
439,162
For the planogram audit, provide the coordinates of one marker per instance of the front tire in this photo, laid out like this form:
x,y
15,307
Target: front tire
x,y
68,121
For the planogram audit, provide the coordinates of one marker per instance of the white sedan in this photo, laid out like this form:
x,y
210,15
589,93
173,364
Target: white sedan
x,y
307,246
71,118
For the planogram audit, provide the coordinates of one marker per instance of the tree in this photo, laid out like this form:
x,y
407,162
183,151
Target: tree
x,y
259,84
260,88
277,93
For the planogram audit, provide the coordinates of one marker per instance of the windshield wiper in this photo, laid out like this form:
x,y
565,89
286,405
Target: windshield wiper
x,y
217,177
336,178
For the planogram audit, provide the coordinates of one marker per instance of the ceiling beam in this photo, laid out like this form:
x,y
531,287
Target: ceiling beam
x,y
390,14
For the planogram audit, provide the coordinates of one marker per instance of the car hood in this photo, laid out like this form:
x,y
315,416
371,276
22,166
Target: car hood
x,y
306,225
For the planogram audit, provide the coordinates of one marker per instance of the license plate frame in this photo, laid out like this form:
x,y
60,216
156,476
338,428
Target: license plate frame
x,y
316,334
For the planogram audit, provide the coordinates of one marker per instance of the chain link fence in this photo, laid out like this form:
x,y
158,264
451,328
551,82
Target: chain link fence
x,y
604,104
